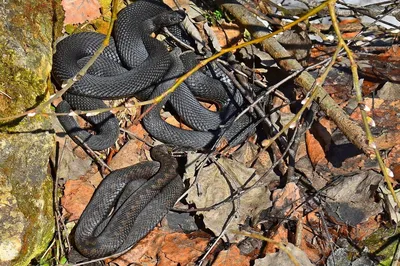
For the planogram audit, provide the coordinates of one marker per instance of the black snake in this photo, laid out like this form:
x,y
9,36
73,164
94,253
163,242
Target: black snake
x,y
135,64
140,196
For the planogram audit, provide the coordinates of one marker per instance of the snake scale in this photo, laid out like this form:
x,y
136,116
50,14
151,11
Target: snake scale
x,y
129,202
140,195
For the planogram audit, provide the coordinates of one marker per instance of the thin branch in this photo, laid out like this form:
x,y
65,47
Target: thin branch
x,y
136,137
180,80
93,154
360,100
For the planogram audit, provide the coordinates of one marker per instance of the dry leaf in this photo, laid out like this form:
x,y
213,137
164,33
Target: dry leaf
x,y
79,11
231,257
183,249
228,34
311,242
281,257
77,194
162,248
390,204
128,155
213,188
318,140
145,252
286,201
351,201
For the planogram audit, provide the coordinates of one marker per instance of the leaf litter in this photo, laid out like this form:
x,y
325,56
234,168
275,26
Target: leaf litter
x,y
325,156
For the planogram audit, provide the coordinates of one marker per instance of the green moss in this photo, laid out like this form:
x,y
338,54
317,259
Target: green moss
x,y
25,168
25,48
24,87
382,244
41,223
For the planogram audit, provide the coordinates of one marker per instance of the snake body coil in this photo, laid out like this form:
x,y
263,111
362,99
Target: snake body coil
x,y
140,196
135,64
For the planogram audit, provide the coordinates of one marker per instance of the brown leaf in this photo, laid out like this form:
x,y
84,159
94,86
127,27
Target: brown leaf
x,y
77,194
183,249
162,248
128,155
231,257
172,121
363,230
311,243
145,252
286,200
393,161
227,31
182,3
79,11
385,114
318,139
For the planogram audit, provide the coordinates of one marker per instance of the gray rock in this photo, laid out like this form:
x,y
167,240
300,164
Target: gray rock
x,y
26,189
390,91
338,258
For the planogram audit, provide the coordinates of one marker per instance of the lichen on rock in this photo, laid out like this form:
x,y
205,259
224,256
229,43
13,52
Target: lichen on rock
x,y
26,189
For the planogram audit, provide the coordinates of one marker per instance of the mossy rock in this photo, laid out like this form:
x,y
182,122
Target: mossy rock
x,y
26,188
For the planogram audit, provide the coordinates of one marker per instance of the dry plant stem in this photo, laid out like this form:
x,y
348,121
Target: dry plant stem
x,y
93,154
68,83
225,227
351,129
5,94
275,86
50,247
318,82
57,214
360,100
136,137
231,49
263,238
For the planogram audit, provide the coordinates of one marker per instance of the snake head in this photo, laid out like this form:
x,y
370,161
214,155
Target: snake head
x,y
168,18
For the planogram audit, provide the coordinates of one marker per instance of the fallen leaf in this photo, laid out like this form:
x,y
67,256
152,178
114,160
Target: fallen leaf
x,y
145,252
385,114
311,241
128,155
183,249
286,201
77,194
182,3
390,204
80,11
393,162
365,229
318,140
160,247
73,166
351,200
280,235
281,257
231,257
172,121
213,187
228,34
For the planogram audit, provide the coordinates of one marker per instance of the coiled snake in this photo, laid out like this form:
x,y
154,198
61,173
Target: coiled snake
x,y
135,64
140,195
